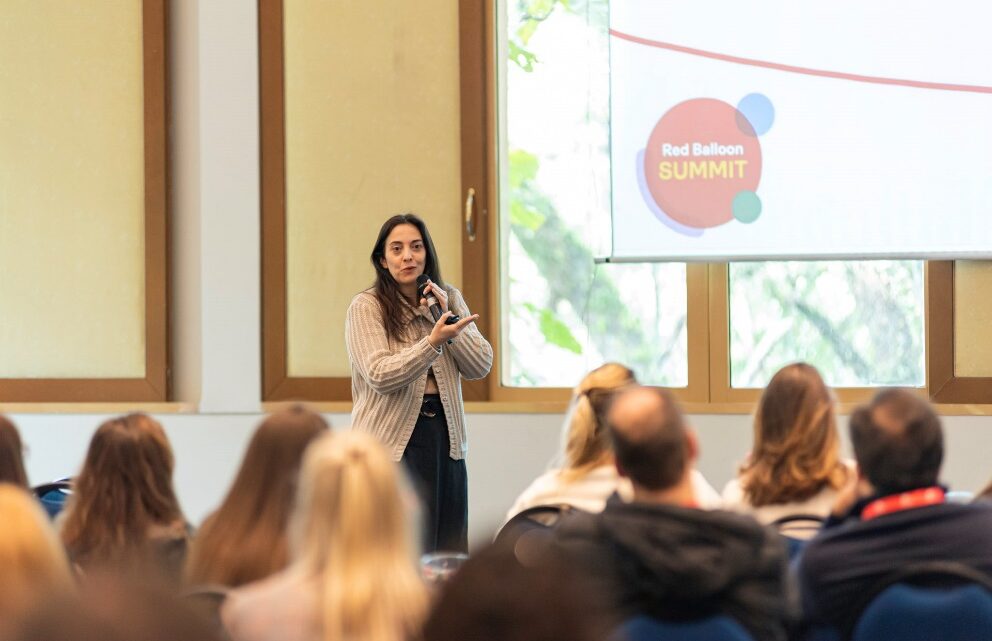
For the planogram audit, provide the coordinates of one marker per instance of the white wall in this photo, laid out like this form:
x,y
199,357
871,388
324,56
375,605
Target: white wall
x,y
506,452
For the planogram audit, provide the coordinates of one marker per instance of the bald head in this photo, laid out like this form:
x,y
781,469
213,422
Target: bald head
x,y
898,441
649,437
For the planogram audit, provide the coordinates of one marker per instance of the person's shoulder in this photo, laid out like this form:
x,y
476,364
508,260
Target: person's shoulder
x,y
365,296
977,510
453,292
365,299
537,492
731,518
733,493
246,601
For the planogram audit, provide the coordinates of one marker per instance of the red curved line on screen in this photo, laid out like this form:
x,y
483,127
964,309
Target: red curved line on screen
x,y
803,70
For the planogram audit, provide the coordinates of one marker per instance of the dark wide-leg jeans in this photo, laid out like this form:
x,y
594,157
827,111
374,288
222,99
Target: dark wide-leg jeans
x,y
441,482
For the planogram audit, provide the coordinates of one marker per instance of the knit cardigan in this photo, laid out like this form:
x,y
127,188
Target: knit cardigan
x,y
388,377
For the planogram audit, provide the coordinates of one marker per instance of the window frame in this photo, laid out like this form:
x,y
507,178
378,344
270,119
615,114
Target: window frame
x,y
708,321
277,384
943,384
155,386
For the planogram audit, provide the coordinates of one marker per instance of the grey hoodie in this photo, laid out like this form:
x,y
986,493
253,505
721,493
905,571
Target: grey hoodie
x,y
678,563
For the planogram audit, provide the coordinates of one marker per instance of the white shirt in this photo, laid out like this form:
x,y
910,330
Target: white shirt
x,y
589,492
818,505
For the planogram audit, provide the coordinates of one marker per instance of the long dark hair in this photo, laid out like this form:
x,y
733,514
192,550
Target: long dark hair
x,y
385,287
11,454
245,540
124,488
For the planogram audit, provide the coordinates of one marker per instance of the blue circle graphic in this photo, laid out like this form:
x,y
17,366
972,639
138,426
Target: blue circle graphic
x,y
759,112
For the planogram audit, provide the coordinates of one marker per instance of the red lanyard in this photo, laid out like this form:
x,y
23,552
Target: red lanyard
x,y
904,501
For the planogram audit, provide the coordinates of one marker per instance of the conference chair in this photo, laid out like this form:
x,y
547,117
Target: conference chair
x,y
941,600
716,628
53,495
796,529
910,613
534,521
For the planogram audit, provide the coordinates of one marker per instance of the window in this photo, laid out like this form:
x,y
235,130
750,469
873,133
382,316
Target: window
x,y
83,238
860,323
562,312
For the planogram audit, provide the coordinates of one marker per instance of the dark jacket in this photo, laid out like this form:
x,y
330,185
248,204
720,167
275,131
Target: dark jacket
x,y
677,563
849,559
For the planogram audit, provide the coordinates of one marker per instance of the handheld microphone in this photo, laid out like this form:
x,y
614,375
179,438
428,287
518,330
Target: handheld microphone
x,y
432,303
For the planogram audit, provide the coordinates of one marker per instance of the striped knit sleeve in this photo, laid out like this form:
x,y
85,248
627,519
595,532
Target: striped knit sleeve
x,y
368,349
472,352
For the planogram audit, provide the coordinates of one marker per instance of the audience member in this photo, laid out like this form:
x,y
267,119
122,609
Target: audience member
x,y
123,512
588,476
894,515
985,494
661,556
353,571
497,596
794,467
110,608
245,539
11,454
33,564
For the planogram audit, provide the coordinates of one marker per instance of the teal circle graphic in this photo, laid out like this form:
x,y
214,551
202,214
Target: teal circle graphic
x,y
746,206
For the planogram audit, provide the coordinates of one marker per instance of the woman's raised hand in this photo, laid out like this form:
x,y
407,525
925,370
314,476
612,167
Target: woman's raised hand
x,y
439,293
443,332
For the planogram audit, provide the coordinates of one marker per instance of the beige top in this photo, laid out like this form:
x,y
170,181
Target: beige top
x,y
282,607
818,505
388,378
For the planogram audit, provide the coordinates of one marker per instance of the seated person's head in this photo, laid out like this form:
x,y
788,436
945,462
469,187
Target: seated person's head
x,y
496,597
586,439
897,441
353,524
33,564
11,454
111,608
653,446
796,450
123,498
245,540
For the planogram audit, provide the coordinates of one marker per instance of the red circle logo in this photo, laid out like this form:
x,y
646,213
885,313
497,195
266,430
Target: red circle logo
x,y
700,156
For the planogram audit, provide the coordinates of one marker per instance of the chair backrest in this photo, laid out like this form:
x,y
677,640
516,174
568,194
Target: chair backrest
x,y
796,530
716,628
540,518
926,582
798,527
911,613
53,495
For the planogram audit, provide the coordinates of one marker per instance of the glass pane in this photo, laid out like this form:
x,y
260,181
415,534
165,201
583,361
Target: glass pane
x,y
859,323
561,313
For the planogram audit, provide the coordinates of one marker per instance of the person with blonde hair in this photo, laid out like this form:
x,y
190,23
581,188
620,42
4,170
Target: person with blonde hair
x,y
795,466
353,570
245,539
11,454
588,476
123,513
33,564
